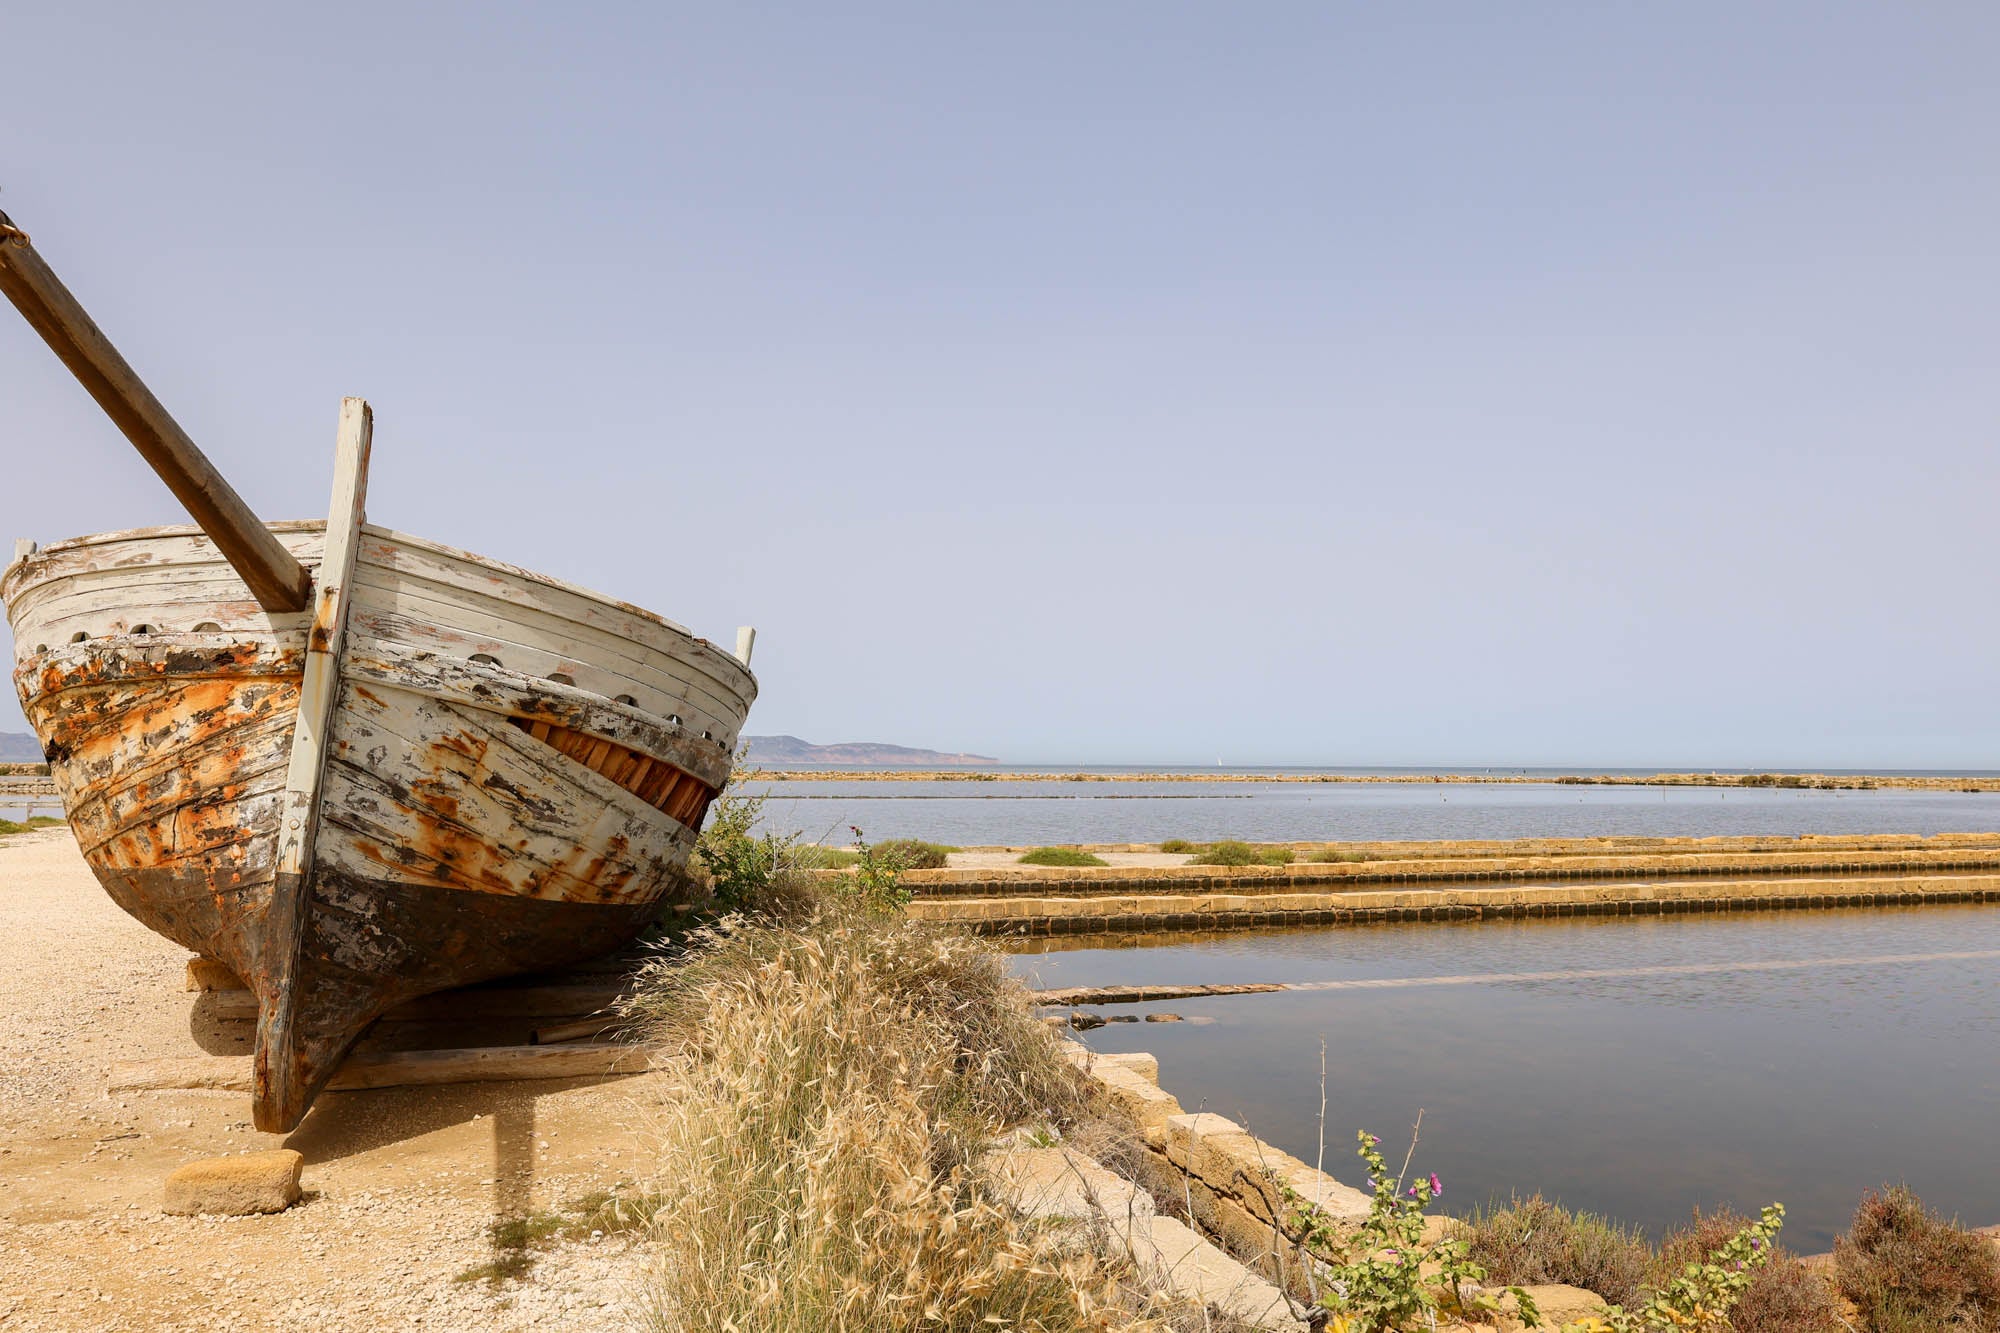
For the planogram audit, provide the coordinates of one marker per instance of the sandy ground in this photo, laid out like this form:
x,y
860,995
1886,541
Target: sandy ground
x,y
401,1184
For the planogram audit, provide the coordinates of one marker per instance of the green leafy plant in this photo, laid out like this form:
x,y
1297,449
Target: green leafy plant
x,y
1179,846
875,882
1701,1296
1385,1276
1060,856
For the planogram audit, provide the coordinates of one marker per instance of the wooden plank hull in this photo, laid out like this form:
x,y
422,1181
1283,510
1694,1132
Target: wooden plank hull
x,y
489,803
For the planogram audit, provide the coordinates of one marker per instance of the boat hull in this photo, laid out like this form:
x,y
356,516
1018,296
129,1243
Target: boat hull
x,y
514,770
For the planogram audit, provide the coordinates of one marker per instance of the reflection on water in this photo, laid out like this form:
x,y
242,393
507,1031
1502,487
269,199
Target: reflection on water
x,y
1032,813
1648,1066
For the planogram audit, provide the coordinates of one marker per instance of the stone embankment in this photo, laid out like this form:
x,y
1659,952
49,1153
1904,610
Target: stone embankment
x,y
1470,881
1234,1242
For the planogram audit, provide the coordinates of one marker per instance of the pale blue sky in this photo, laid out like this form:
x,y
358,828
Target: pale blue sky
x,y
1333,384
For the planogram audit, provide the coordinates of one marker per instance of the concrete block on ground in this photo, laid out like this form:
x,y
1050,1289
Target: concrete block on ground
x,y
1232,1162
1057,1184
258,1182
1172,1254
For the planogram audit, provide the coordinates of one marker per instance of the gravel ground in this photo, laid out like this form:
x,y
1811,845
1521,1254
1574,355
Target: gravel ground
x,y
401,1184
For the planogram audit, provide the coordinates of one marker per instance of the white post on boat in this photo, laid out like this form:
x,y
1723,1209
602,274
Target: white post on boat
x,y
746,639
277,580
279,1097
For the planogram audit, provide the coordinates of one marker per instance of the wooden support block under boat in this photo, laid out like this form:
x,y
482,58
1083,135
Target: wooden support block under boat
x,y
457,1005
396,1069
206,974
580,1029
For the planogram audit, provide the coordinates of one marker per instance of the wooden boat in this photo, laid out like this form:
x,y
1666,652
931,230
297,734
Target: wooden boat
x,y
354,765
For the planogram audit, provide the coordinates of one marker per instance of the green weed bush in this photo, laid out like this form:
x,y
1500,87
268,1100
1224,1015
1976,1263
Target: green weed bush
x,y
1232,853
914,853
1060,856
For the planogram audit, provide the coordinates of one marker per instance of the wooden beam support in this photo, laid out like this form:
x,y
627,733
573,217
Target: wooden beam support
x,y
456,1005
398,1069
277,580
580,1029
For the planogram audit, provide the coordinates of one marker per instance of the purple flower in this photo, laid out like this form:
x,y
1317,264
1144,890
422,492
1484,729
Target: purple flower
x,y
1437,1186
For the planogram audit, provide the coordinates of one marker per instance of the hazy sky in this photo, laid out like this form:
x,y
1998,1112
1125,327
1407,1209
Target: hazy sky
x,y
1594,384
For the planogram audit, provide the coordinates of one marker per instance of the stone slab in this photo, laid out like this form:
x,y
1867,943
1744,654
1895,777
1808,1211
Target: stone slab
x,y
257,1182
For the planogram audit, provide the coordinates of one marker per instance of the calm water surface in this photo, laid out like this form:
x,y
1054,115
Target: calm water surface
x,y
1641,1096
1055,811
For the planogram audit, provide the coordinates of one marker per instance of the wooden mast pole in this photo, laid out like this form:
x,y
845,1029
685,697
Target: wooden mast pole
x,y
277,580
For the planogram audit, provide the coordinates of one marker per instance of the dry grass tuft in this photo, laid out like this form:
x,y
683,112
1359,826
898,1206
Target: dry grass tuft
x,y
848,1070
1533,1241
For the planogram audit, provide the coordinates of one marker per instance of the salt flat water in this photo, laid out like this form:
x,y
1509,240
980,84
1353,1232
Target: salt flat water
x,y
1056,810
1651,1065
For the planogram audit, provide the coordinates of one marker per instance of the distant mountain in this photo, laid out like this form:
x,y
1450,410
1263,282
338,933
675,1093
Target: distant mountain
x,y
19,748
858,754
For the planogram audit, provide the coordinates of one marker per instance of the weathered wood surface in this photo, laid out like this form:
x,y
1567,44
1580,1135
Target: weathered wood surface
x,y
288,1068
394,1069
627,626
171,579
275,579
541,645
580,1030
457,799
456,1005
512,694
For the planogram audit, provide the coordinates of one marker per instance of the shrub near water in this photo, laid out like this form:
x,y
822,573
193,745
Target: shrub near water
x,y
845,1074
914,853
1060,856
1907,1269
1782,1297
1233,853
1533,1241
